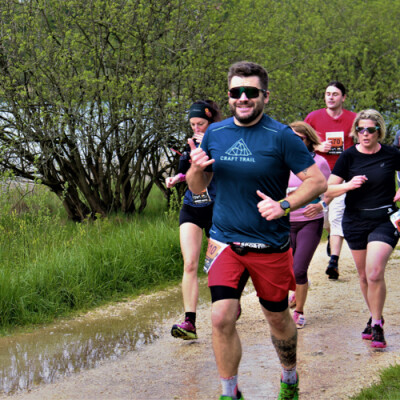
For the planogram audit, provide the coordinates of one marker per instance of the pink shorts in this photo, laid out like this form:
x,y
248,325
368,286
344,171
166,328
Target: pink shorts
x,y
272,274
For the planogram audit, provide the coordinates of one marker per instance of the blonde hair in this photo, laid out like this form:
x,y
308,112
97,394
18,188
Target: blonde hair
x,y
308,131
373,115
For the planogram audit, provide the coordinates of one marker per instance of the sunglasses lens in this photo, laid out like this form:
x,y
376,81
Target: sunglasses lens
x,y
370,129
250,92
235,93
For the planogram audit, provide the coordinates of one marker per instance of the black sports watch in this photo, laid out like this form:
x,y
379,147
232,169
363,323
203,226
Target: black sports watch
x,y
285,205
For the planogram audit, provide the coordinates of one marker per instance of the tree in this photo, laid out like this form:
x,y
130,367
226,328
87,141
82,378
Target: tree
x,y
94,93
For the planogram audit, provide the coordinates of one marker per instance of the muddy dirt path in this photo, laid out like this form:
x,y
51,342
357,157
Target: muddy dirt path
x,y
333,361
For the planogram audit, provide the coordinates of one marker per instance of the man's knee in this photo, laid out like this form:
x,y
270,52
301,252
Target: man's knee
x,y
223,315
279,321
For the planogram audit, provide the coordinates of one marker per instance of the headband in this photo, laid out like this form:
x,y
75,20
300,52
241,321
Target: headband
x,y
201,111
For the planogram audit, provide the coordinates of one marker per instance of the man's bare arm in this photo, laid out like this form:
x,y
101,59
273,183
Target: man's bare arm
x,y
314,183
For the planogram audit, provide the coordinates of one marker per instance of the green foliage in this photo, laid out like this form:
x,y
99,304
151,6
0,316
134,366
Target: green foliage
x,y
306,44
94,94
51,266
387,389
175,203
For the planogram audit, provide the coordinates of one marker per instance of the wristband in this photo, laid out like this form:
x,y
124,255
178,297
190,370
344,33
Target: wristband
x,y
324,206
181,177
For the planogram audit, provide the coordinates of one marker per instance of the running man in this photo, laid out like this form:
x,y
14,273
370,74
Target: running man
x,y
251,156
333,125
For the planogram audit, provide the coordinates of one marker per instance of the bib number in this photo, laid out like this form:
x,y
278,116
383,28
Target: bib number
x,y
214,249
337,141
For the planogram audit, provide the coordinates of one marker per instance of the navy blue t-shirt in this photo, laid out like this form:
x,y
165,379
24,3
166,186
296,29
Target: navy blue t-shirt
x,y
247,159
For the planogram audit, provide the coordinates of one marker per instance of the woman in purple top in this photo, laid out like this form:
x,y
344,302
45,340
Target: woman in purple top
x,y
306,225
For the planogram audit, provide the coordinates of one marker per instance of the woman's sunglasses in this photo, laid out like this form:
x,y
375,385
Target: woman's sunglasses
x,y
251,92
370,129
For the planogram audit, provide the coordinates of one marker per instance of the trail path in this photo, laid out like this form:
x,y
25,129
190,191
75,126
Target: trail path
x,y
333,361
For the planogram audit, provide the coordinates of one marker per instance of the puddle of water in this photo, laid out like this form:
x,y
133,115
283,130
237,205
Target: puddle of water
x,y
69,346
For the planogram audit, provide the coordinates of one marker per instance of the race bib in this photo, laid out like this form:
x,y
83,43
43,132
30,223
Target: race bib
x,y
395,218
201,198
337,141
214,249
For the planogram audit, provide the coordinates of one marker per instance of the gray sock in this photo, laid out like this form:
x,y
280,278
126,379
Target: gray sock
x,y
229,386
289,376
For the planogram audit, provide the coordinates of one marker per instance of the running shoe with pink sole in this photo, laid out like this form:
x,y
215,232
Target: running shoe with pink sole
x,y
378,339
366,334
299,320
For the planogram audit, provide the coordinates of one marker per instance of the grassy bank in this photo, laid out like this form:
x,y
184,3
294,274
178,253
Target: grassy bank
x,y
388,388
51,267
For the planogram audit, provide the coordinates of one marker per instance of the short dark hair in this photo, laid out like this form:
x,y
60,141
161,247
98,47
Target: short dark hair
x,y
338,85
246,68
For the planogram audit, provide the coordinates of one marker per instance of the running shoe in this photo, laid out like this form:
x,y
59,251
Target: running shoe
x,y
378,339
239,396
292,300
299,320
366,334
186,330
332,271
289,392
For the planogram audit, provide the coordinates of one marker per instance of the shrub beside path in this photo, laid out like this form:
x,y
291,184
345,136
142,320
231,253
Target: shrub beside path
x,y
333,361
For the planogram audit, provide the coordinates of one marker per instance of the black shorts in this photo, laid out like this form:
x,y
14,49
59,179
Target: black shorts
x,y
200,216
359,230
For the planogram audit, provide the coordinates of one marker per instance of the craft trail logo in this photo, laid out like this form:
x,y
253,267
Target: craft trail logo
x,y
238,152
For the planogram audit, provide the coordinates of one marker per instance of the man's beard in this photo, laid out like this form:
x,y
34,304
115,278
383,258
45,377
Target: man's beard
x,y
257,110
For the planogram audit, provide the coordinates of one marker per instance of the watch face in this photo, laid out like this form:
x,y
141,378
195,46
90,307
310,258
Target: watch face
x,y
285,205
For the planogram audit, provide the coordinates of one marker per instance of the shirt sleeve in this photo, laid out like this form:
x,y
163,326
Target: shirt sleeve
x,y
324,167
341,167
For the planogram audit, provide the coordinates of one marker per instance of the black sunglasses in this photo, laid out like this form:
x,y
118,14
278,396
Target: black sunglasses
x,y
251,92
370,129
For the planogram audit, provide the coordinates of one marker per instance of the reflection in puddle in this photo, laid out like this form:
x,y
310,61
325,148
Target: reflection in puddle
x,y
69,346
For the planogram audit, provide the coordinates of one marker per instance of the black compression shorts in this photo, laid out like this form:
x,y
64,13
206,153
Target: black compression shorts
x,y
200,216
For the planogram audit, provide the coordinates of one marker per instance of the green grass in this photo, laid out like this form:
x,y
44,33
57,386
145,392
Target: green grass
x,y
51,267
387,389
